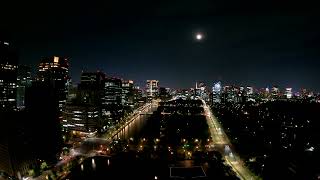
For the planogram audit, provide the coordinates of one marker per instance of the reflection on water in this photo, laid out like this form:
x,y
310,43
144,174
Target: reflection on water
x,y
134,128
124,167
93,163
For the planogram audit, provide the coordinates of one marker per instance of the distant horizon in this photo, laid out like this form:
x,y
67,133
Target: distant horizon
x,y
141,83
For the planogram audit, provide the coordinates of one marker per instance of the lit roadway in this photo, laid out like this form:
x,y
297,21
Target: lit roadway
x,y
107,138
220,139
134,116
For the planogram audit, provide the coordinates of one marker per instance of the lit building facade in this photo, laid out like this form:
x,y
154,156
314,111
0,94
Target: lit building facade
x,y
138,95
216,92
288,93
201,91
8,77
275,92
152,88
112,92
112,108
91,88
127,93
249,91
230,94
23,81
55,70
81,118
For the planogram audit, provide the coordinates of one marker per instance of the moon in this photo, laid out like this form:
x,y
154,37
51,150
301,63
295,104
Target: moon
x,y
199,36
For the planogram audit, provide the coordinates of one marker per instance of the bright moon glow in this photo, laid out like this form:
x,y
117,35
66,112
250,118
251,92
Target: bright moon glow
x,y
199,36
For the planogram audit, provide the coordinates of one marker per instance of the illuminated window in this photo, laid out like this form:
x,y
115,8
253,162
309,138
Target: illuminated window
x,y
56,59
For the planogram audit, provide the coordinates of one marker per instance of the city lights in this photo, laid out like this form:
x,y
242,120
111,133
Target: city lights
x,y
143,92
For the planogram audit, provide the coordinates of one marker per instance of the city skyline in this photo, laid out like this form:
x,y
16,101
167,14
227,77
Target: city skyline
x,y
104,90
270,48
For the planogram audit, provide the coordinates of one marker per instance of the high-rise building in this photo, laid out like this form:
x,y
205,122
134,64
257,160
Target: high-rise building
x,y
8,77
249,91
232,94
91,88
288,93
127,93
23,81
112,108
112,91
42,104
95,79
152,88
267,90
83,112
81,118
201,90
164,93
55,70
275,92
216,92
138,95
17,144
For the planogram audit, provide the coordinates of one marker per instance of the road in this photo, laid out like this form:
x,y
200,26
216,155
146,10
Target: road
x,y
106,137
120,132
219,138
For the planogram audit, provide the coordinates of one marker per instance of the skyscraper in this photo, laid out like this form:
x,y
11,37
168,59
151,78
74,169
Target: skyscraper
x,y
216,92
81,118
83,112
201,90
152,88
42,105
8,77
112,91
23,81
127,93
112,109
288,93
91,88
275,92
55,70
249,91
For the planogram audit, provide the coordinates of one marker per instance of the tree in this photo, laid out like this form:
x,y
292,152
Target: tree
x,y
43,166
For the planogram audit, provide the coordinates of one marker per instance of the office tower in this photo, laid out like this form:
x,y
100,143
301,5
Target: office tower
x,y
288,93
216,92
17,144
81,118
113,91
138,95
55,70
112,108
42,106
8,77
249,91
127,93
152,88
200,89
275,92
23,81
164,93
91,88
15,140
83,112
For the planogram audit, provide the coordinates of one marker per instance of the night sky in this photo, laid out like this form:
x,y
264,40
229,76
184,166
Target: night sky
x,y
245,43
